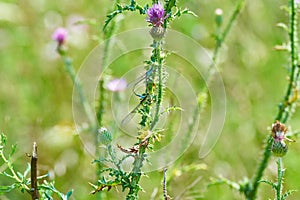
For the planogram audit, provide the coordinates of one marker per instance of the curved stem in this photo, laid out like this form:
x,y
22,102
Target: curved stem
x,y
78,87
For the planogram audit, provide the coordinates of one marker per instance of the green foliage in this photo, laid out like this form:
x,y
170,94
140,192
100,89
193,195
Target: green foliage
x,y
133,6
21,181
47,190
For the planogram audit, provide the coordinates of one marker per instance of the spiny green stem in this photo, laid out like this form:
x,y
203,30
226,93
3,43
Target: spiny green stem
x,y
136,174
280,173
160,85
250,195
139,158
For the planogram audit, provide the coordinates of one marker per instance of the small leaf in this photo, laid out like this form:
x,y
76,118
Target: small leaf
x,y
6,189
3,139
20,175
283,26
187,11
119,7
27,170
13,150
287,193
273,185
69,194
8,175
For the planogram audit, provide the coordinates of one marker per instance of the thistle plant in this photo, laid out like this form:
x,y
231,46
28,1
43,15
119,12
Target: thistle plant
x,y
276,142
149,107
279,149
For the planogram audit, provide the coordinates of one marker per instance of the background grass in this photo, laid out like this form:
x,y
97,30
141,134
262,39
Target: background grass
x,y
36,93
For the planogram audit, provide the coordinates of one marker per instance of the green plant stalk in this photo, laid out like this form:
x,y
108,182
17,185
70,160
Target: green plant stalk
x,y
282,109
280,173
160,85
100,110
136,174
251,194
294,74
87,108
101,103
100,113
140,157
222,36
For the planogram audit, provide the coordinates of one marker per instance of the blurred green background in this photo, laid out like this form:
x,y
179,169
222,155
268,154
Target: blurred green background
x,y
36,93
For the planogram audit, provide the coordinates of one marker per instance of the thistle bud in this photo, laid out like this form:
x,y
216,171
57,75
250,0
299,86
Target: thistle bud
x,y
104,136
279,148
157,33
219,17
60,35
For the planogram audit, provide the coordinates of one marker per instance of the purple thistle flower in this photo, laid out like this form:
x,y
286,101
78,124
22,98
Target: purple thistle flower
x,y
60,35
116,85
156,15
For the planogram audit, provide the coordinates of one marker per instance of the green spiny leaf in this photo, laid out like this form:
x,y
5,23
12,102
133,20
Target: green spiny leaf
x,y
273,185
169,5
287,193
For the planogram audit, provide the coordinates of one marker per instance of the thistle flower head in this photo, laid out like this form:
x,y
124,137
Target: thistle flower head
x,y
116,85
60,35
156,15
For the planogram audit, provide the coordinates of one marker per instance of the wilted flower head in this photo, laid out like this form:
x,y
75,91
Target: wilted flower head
x,y
116,85
156,14
60,35
278,131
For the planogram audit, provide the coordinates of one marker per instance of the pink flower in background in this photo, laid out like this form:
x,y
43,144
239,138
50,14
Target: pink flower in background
x,y
60,35
297,1
156,15
116,85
